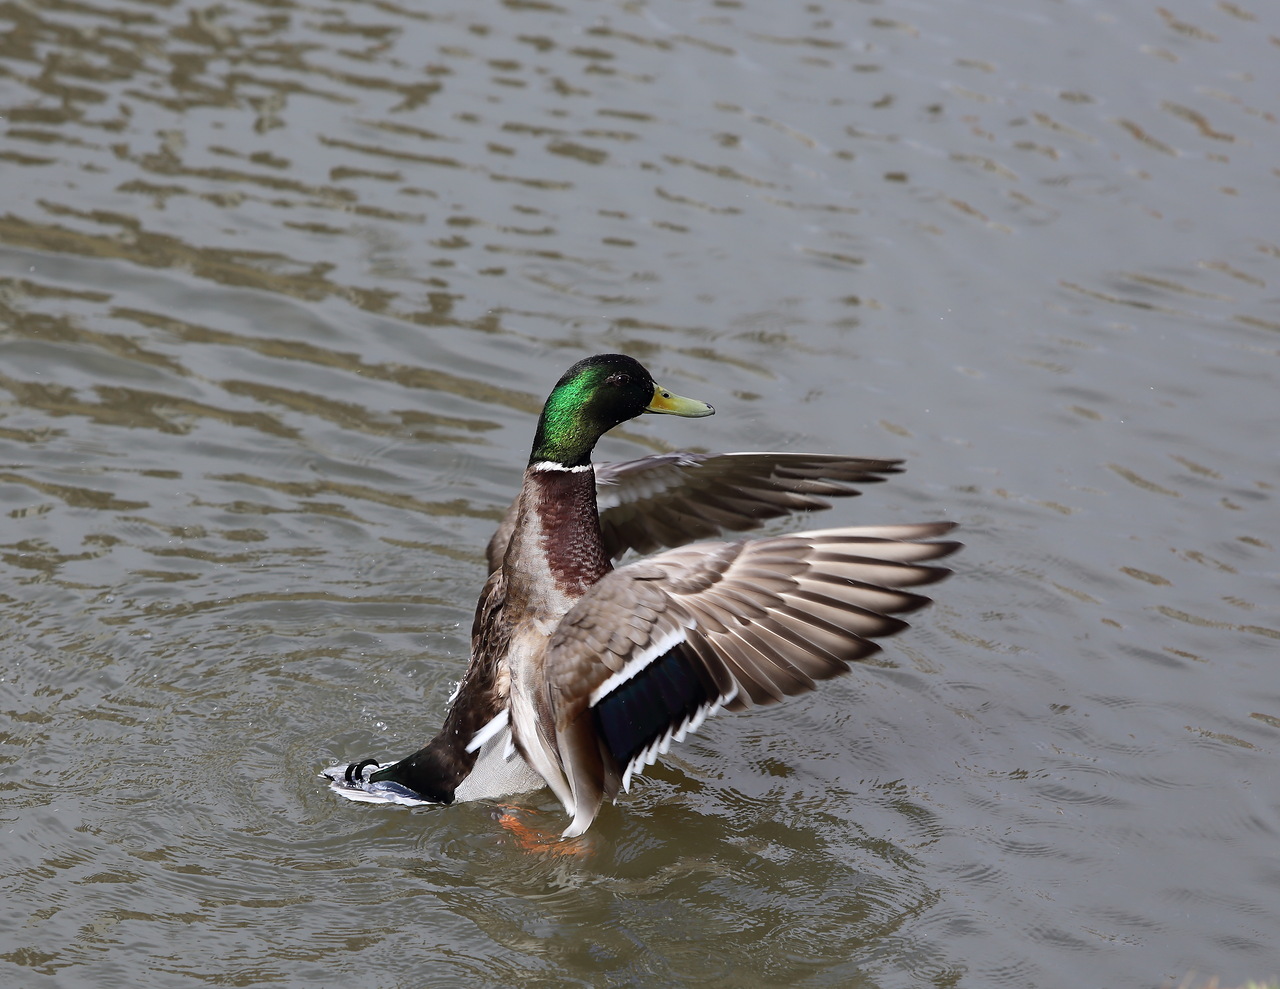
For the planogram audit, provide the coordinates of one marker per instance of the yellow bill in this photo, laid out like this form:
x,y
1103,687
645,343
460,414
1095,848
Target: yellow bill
x,y
665,402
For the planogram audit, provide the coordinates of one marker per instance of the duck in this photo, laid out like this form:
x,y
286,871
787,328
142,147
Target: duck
x,y
587,665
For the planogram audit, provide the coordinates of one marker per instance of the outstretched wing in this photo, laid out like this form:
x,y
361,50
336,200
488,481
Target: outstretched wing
x,y
675,498
655,647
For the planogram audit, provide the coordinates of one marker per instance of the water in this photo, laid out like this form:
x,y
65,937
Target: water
x,y
283,287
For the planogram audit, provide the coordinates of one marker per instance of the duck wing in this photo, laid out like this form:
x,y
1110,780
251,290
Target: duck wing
x,y
655,647
671,499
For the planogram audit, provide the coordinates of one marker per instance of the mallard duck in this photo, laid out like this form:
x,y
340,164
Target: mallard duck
x,y
583,673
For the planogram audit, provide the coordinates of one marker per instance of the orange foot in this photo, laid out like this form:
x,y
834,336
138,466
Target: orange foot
x,y
536,840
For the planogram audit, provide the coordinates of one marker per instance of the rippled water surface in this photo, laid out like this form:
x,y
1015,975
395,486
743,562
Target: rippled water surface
x,y
282,287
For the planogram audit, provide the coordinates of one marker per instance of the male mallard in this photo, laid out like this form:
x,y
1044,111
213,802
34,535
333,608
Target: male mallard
x,y
582,674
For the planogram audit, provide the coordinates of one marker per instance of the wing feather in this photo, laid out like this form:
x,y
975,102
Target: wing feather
x,y
672,499
656,647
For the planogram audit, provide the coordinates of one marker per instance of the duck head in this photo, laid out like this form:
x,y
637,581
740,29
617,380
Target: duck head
x,y
591,398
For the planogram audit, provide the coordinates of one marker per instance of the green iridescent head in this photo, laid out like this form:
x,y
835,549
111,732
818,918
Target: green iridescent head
x,y
591,398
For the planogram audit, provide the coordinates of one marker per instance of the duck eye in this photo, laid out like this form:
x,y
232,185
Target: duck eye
x,y
618,380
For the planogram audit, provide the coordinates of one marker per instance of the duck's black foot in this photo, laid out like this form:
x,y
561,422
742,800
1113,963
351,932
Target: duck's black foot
x,y
355,772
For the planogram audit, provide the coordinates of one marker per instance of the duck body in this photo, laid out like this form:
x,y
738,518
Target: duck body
x,y
581,674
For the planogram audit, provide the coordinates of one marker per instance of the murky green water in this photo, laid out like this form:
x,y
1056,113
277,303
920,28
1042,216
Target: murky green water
x,y
281,290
